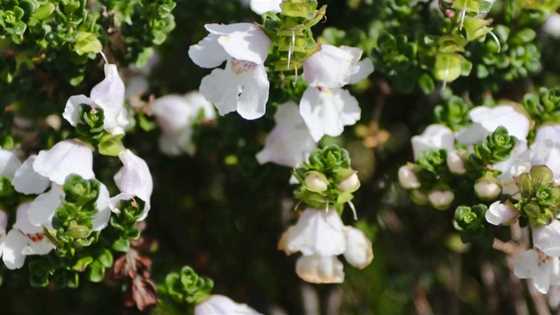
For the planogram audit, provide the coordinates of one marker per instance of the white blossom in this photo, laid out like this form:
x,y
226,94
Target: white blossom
x,y
265,6
109,96
543,270
176,115
65,158
325,107
359,251
290,142
501,213
435,137
552,25
487,119
518,162
27,181
243,85
134,179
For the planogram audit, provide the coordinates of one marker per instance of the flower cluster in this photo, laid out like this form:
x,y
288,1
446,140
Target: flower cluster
x,y
501,168
66,221
326,182
282,45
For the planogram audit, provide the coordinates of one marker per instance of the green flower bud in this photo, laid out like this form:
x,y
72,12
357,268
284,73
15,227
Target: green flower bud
x,y
316,182
80,191
470,219
496,148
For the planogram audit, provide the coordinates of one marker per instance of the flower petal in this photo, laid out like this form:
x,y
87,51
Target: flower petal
x,y
73,108
12,250
546,149
222,305
241,87
65,158
109,95
173,112
264,6
547,238
27,181
317,232
242,41
435,137
134,178
500,213
103,206
320,270
208,53
9,163
42,210
290,142
359,252
327,111
330,67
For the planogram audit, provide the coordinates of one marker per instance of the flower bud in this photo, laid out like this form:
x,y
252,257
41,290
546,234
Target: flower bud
x,y
316,182
487,188
407,178
441,199
350,183
455,163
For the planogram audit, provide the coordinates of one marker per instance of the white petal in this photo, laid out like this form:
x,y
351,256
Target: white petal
x,y
487,119
42,210
134,178
525,264
65,158
27,181
317,269
200,105
290,142
41,246
500,213
103,205
174,144
435,137
327,111
547,238
109,96
73,108
173,112
546,148
359,252
12,250
518,162
317,232
242,41
208,53
222,305
330,67
361,71
9,163
241,87
3,222
552,27
264,6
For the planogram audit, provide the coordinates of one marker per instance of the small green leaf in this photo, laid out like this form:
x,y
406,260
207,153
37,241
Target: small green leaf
x,y
87,43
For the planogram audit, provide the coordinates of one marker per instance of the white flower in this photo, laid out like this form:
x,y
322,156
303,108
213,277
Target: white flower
x,y
264,6
176,116
317,232
547,238
325,107
321,236
487,119
408,178
435,137
24,239
320,269
3,227
9,163
27,181
518,162
290,142
108,96
546,149
552,25
359,251
134,179
543,270
500,213
222,305
65,158
243,85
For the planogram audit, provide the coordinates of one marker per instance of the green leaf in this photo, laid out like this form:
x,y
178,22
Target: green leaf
x,y
87,43
448,67
82,264
110,145
96,272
